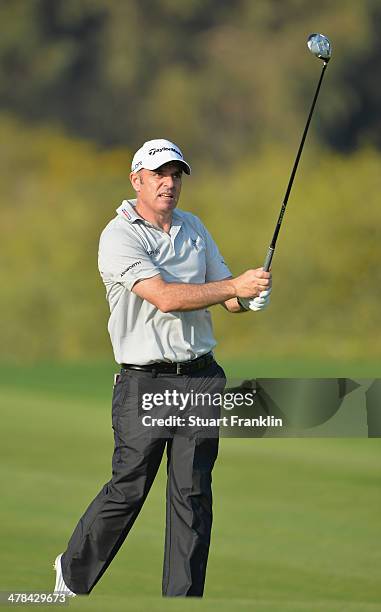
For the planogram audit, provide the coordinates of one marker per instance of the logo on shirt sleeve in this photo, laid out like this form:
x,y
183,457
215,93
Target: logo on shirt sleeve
x,y
136,263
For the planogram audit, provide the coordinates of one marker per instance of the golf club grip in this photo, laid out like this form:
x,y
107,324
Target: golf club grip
x,y
268,260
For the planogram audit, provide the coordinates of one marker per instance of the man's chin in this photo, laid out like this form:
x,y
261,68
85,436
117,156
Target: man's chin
x,y
167,203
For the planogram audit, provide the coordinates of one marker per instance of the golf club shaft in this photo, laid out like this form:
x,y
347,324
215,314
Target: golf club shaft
x,y
270,252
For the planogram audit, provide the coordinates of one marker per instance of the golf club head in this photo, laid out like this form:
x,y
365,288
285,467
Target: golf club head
x,y
320,46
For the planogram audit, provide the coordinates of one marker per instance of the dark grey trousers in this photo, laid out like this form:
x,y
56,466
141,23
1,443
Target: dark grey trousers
x,y
191,453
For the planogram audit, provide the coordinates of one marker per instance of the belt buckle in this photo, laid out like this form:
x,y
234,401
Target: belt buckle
x,y
178,368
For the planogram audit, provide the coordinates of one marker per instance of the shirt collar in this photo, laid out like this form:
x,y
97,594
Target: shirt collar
x,y
176,223
127,211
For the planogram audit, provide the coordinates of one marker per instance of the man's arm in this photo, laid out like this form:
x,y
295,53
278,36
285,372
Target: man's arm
x,y
232,305
169,297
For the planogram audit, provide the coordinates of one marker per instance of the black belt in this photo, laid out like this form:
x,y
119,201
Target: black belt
x,y
182,367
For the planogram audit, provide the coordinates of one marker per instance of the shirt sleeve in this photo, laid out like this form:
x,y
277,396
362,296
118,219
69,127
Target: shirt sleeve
x,y
216,268
122,259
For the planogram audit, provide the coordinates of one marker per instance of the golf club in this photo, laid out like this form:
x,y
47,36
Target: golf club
x,y
320,46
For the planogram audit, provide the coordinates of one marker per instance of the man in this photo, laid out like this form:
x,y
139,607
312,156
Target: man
x,y
162,270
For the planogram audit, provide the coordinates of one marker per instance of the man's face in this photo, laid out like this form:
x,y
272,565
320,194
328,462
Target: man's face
x,y
158,189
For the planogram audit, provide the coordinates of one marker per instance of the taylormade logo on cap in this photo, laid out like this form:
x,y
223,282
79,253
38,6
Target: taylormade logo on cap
x,y
155,153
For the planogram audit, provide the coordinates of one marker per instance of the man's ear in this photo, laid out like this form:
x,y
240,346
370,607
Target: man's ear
x,y
135,181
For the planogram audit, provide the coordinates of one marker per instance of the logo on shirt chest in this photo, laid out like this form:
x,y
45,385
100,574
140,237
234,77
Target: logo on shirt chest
x,y
154,252
194,243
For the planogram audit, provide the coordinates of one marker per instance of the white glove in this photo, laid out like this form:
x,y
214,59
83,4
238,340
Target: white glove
x,y
258,303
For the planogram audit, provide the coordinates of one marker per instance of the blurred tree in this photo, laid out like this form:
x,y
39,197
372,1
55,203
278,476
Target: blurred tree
x,y
359,122
57,194
222,78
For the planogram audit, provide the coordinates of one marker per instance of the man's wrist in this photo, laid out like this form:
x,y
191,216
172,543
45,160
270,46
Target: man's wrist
x,y
232,288
242,304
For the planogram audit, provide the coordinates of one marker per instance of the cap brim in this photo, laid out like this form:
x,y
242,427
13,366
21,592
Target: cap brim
x,y
186,167
182,163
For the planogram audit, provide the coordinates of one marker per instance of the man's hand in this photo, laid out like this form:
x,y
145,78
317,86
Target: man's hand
x,y
251,283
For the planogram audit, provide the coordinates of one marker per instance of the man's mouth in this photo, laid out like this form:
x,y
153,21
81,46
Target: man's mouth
x,y
167,196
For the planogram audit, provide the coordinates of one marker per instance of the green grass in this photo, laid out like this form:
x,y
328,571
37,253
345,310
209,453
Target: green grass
x,y
297,521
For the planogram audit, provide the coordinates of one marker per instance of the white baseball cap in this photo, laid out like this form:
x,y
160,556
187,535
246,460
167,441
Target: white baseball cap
x,y
155,153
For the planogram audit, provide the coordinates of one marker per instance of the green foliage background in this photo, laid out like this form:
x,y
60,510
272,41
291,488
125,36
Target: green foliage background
x,y
82,84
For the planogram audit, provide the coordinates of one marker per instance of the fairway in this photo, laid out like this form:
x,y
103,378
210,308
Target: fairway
x,y
296,521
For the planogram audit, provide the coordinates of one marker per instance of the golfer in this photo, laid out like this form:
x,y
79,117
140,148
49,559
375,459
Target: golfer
x,y
162,270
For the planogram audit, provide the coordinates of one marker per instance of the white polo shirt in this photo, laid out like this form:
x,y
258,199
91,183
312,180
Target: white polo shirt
x,y
132,249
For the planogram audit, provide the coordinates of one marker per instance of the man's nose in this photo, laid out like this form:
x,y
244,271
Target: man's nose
x,y
169,181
